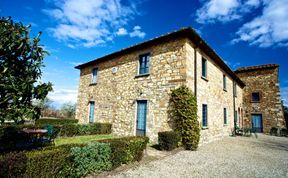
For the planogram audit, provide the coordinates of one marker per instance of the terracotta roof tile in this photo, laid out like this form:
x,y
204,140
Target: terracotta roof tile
x,y
260,67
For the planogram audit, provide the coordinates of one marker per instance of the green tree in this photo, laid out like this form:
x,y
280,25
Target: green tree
x,y
21,59
184,114
68,109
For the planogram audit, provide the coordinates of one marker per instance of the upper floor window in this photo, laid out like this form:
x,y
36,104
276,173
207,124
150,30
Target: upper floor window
x,y
256,97
224,83
204,115
204,67
94,75
144,64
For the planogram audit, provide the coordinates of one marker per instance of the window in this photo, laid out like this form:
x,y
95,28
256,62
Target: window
x,y
144,64
224,83
204,68
236,118
94,75
255,97
225,116
204,115
91,111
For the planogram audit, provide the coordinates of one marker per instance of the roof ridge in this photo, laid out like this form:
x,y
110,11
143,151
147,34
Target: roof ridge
x,y
257,67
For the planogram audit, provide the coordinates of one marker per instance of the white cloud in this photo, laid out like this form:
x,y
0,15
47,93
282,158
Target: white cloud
x,y
121,32
224,10
71,46
137,32
89,23
284,95
232,65
268,29
62,96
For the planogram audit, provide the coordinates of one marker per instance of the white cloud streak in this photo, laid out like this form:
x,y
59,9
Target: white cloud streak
x,y
137,32
121,32
224,10
89,23
268,29
62,96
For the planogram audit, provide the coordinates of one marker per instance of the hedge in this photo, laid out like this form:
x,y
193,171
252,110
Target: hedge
x,y
70,130
56,121
168,140
73,160
9,135
126,149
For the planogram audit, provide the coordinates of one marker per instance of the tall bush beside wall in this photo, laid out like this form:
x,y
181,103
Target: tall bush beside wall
x,y
184,113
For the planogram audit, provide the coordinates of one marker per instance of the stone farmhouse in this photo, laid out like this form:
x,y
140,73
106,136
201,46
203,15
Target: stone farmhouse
x,y
130,88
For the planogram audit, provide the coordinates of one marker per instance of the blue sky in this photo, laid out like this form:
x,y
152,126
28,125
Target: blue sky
x,y
242,32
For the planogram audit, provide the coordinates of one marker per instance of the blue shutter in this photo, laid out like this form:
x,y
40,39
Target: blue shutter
x,y
91,111
204,67
204,115
225,116
236,118
141,117
144,64
224,82
94,75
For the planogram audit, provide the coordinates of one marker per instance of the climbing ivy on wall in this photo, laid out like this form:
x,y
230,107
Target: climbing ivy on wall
x,y
184,113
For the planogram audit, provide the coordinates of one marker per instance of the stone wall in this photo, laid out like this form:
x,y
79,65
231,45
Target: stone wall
x,y
115,95
210,91
172,64
266,82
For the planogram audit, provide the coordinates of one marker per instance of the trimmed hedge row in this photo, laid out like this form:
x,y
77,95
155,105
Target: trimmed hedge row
x,y
73,160
127,149
10,136
56,121
168,140
69,130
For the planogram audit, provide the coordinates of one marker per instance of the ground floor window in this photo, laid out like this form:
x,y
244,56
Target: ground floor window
x,y
204,115
91,111
141,117
225,116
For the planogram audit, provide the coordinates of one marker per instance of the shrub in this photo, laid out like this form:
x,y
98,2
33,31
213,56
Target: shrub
x,y
70,130
127,149
184,114
168,140
91,158
273,131
56,121
73,160
13,164
45,163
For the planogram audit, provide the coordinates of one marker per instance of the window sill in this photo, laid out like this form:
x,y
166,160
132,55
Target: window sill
x,y
255,101
142,75
92,84
205,128
225,125
204,78
224,89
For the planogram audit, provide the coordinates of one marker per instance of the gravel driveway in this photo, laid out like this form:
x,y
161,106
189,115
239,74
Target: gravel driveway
x,y
264,156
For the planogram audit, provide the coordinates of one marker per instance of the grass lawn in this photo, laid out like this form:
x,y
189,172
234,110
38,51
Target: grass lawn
x,y
81,139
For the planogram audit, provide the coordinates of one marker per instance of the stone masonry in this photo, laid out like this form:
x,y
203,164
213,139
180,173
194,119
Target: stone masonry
x,y
263,80
172,64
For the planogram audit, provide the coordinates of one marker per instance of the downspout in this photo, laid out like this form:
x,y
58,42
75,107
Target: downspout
x,y
195,72
234,107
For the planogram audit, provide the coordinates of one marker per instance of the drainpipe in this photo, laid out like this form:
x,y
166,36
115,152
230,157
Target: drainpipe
x,y
195,72
234,106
